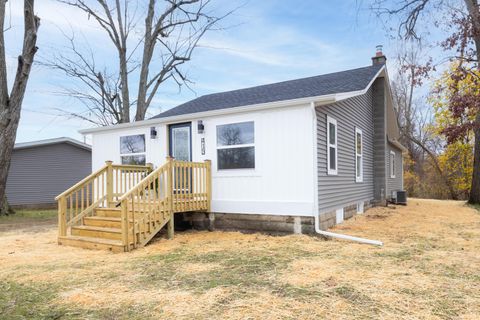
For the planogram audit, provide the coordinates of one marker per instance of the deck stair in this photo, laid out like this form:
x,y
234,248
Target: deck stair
x,y
122,207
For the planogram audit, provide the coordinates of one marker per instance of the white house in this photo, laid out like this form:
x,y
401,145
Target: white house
x,y
283,154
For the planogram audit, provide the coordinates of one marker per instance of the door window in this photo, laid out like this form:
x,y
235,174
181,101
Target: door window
x,y
180,139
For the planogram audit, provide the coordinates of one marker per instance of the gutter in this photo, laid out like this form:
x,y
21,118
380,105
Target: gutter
x,y
397,144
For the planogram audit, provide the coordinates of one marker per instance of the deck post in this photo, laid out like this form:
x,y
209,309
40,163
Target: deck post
x,y
62,217
109,182
124,217
149,165
209,184
170,224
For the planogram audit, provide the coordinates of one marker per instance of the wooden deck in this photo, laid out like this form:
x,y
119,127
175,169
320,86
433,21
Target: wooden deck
x,y
120,207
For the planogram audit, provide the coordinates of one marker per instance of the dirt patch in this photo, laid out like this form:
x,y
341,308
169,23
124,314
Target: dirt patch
x,y
428,268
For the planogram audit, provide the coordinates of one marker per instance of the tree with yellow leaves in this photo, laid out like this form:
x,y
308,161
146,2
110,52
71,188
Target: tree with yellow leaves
x,y
457,157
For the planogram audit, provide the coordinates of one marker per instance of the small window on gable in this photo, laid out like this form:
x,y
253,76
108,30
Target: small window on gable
x,y
332,153
132,149
358,155
236,146
392,164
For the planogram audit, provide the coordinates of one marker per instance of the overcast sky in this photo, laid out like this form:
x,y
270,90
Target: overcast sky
x,y
266,41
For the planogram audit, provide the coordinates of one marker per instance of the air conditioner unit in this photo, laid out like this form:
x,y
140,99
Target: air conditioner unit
x,y
399,197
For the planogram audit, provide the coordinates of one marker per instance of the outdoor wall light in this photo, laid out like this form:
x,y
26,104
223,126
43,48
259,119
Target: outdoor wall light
x,y
200,126
153,133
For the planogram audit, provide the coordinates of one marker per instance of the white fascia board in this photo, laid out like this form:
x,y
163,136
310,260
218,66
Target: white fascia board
x,y
30,144
325,99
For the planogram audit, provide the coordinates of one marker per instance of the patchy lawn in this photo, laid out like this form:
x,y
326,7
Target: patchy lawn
x,y
429,268
28,221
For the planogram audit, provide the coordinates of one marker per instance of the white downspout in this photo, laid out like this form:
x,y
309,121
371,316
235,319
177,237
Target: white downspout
x,y
316,216
343,236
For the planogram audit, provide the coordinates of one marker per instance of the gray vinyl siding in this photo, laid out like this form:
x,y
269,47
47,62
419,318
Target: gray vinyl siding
x,y
336,191
380,141
394,184
38,174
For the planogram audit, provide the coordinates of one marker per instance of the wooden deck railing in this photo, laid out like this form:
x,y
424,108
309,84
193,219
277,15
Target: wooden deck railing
x,y
99,189
177,186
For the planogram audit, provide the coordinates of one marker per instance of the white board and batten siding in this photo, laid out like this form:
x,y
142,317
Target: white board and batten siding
x,y
282,182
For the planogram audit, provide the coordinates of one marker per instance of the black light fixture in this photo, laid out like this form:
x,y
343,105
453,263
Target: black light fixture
x,y
153,133
200,126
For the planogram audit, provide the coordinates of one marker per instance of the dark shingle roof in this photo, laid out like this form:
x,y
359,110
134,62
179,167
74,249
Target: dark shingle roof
x,y
332,83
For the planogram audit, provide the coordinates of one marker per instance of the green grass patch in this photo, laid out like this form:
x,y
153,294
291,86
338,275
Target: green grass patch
x,y
39,301
474,206
29,214
18,301
244,270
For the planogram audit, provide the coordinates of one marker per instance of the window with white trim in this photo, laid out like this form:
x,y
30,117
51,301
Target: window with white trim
x,y
236,146
332,152
392,164
132,149
358,155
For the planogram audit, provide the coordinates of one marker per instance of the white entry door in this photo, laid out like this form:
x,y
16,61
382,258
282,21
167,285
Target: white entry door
x,y
180,142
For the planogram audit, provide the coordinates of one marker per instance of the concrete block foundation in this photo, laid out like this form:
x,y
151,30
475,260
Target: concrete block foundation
x,y
269,224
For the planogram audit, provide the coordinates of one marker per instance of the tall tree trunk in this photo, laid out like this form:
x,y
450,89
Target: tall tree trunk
x,y
6,209
474,12
10,104
474,197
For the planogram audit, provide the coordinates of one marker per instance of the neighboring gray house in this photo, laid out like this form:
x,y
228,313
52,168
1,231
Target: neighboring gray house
x,y
285,156
40,170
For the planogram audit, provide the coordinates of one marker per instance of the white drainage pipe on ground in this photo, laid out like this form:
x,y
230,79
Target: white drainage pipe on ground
x,y
344,236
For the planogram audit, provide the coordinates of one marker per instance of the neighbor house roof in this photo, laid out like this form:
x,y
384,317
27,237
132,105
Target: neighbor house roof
x,y
38,143
332,83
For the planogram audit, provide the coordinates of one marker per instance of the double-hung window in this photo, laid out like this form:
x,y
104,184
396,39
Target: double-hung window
x,y
358,155
236,146
332,152
132,149
392,164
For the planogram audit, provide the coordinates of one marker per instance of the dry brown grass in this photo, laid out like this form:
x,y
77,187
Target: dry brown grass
x,y
429,268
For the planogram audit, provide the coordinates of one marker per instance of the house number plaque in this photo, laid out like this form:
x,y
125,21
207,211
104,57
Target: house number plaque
x,y
203,146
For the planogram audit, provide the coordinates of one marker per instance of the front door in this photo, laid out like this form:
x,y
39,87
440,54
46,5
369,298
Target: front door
x,y
180,149
180,141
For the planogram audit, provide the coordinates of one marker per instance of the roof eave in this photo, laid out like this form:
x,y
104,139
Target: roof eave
x,y
397,144
324,99
46,142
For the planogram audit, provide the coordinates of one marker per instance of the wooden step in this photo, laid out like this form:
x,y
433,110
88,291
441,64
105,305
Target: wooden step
x,y
92,243
105,222
108,212
97,232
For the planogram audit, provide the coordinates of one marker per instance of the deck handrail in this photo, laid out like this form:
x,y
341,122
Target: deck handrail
x,y
82,182
99,188
138,186
148,199
176,186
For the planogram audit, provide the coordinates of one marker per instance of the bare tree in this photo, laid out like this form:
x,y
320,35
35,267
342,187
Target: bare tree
x,y
413,123
152,54
465,17
11,102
